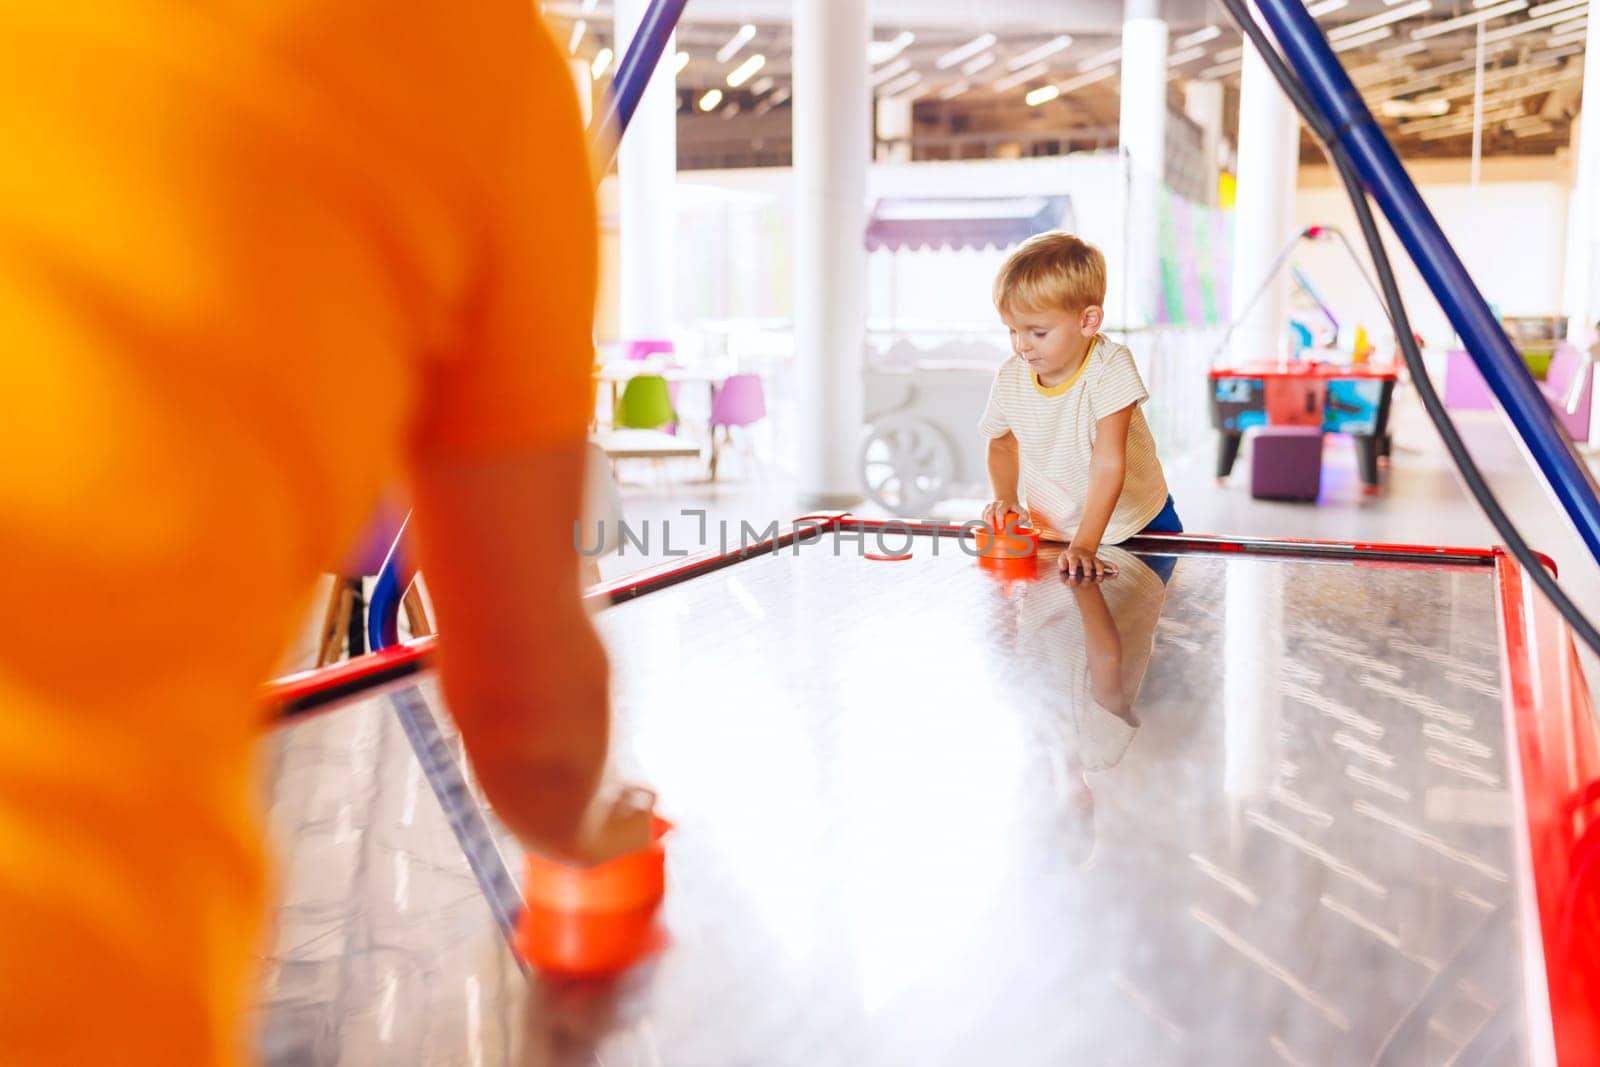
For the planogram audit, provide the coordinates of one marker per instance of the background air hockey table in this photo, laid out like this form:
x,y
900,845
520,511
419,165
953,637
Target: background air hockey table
x,y
1298,803
1340,399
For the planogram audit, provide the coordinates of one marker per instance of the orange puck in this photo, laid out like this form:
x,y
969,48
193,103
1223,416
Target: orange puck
x,y
591,921
1011,541
885,557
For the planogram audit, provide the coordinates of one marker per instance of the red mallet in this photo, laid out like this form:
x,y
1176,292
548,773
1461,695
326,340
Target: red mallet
x,y
593,921
1012,541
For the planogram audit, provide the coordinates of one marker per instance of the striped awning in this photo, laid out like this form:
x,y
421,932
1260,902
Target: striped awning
x,y
963,222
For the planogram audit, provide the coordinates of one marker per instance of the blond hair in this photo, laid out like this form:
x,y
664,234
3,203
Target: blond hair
x,y
1052,270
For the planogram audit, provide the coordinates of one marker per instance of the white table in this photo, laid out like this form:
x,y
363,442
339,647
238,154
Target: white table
x,y
645,444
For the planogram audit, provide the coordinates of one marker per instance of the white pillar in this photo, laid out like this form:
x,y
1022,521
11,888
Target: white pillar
x,y
1202,101
647,172
1142,132
894,129
1582,300
1269,161
831,148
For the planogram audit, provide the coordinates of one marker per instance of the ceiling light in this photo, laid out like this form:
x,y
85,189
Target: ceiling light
x,y
1087,78
972,66
1526,26
680,61
735,43
731,110
1414,109
1464,119
1550,9
1511,7
892,71
1504,74
1567,38
965,52
1327,7
746,70
1381,73
578,29
1034,55
1221,70
1228,55
1401,50
1100,59
762,84
883,51
602,60
1201,36
710,100
1538,85
1017,77
780,96
1428,79
1347,43
1042,95
1579,23
1361,26
954,89
901,84
1188,55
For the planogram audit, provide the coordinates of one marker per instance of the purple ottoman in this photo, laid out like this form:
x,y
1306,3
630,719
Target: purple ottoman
x,y
1286,463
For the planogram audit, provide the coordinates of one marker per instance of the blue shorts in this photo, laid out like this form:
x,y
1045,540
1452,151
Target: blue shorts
x,y
1166,522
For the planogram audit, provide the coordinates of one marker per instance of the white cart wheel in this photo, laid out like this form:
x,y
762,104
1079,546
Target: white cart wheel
x,y
906,465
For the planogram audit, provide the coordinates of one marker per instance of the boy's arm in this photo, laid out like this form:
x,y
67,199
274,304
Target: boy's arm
x,y
1103,645
1005,470
1108,468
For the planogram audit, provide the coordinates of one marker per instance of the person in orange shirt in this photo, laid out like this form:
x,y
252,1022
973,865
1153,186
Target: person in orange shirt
x,y
258,262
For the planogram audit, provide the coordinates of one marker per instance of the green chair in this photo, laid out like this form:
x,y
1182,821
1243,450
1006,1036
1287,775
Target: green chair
x,y
645,404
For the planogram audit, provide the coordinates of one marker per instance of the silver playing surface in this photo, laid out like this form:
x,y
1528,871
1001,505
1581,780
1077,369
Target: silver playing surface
x,y
926,815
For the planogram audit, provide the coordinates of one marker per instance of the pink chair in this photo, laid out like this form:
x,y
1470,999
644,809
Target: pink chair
x,y
739,401
647,347
1570,381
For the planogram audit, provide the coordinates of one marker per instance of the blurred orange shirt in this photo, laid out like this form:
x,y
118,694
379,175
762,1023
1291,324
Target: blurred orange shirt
x,y
251,254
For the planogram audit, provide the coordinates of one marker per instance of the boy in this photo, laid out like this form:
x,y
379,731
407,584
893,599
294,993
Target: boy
x,y
1063,416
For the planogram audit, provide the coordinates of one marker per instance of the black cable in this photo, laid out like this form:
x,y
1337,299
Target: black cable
x,y
1463,460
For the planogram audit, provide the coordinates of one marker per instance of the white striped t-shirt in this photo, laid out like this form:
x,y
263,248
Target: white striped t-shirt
x,y
1055,429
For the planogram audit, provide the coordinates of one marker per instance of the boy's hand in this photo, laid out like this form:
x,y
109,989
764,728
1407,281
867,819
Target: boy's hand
x,y
994,514
1080,562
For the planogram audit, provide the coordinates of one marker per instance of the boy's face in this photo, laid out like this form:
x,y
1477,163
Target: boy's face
x,y
1052,342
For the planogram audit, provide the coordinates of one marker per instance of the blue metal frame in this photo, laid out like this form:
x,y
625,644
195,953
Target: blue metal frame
x,y
394,578
1385,178
634,71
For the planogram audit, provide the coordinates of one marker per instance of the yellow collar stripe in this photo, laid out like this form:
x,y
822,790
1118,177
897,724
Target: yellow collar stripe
x,y
1057,390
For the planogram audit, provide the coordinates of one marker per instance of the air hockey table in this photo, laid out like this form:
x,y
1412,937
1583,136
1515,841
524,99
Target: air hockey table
x,y
1249,802
1338,398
